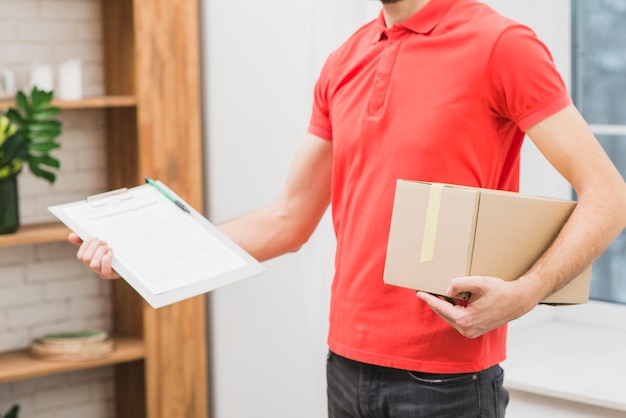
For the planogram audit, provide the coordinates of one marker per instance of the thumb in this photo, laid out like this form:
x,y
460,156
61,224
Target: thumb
x,y
464,287
73,238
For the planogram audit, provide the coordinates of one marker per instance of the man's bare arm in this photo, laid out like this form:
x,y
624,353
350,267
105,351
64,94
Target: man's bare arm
x,y
283,226
600,216
286,224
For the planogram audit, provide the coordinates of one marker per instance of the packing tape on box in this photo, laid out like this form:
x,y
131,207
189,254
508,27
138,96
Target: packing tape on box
x,y
432,219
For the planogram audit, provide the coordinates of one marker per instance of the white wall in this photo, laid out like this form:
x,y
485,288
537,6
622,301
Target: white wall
x,y
268,334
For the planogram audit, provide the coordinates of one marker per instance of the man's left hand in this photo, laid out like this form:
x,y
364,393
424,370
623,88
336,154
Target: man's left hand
x,y
493,302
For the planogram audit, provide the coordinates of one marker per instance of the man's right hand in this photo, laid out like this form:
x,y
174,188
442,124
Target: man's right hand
x,y
96,254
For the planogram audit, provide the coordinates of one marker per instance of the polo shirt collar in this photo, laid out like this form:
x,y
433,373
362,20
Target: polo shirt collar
x,y
422,22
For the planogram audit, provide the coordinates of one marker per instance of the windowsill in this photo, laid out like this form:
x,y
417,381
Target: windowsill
x,y
572,353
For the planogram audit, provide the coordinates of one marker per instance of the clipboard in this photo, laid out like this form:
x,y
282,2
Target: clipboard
x,y
163,252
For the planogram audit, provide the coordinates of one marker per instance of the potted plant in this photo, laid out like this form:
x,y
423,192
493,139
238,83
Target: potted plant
x,y
28,133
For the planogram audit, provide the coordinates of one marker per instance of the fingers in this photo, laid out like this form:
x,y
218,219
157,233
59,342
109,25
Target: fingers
x,y
474,285
101,263
487,308
98,256
441,306
450,313
88,248
73,238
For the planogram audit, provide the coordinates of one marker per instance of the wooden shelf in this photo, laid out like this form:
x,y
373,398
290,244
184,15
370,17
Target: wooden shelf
x,y
35,234
97,102
19,364
87,102
162,372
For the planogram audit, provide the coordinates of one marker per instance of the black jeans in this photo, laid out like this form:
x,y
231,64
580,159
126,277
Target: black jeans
x,y
358,390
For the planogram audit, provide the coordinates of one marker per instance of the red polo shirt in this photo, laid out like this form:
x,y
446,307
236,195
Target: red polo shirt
x,y
442,97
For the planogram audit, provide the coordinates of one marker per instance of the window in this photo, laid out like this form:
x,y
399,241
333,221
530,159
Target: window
x,y
599,91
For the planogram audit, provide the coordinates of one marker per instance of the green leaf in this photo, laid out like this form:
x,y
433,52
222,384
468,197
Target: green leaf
x,y
50,125
37,130
40,98
6,128
45,114
10,170
22,103
44,160
43,146
13,147
39,172
13,412
15,117
45,135
40,140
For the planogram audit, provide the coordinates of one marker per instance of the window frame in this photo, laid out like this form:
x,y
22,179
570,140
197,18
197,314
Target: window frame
x,y
610,130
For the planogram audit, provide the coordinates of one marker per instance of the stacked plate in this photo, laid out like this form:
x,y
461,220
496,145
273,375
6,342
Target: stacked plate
x,y
80,345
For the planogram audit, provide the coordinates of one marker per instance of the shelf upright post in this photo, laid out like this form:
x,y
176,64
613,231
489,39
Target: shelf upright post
x,y
152,52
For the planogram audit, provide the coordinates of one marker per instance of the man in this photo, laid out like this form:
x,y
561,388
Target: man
x,y
433,90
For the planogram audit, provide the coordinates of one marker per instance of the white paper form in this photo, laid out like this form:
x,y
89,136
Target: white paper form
x,y
166,254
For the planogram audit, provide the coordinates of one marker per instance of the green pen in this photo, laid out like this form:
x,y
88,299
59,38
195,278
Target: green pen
x,y
167,194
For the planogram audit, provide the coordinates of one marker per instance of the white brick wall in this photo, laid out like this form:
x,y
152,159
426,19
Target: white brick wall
x,y
86,394
43,288
50,32
82,172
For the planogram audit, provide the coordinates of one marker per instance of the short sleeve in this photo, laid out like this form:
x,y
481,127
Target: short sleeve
x,y
523,83
320,124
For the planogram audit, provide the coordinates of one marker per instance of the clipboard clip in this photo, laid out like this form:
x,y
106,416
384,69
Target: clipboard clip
x,y
106,198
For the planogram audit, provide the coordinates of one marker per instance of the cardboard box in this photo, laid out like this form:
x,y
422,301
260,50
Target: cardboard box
x,y
439,232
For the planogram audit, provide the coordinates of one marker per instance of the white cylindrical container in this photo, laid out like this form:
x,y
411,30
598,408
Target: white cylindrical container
x,y
70,80
7,84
